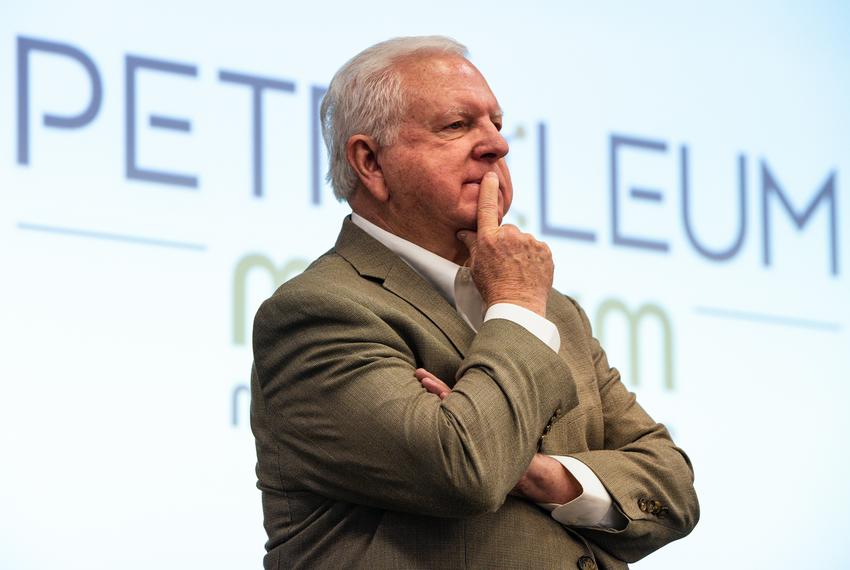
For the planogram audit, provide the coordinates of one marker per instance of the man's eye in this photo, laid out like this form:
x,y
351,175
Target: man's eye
x,y
455,126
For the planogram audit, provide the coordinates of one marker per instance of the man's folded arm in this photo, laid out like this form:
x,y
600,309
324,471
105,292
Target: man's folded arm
x,y
594,507
341,408
647,476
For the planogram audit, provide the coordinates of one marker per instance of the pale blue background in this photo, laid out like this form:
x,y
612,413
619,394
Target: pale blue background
x,y
118,362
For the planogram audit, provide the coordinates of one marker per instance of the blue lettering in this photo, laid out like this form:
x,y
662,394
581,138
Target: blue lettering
x,y
316,94
733,249
257,84
618,141
133,170
546,227
27,45
769,187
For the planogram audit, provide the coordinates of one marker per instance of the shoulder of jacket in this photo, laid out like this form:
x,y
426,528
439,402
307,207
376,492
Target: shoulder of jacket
x,y
568,311
329,276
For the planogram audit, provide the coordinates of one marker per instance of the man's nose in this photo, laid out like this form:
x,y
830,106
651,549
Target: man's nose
x,y
492,145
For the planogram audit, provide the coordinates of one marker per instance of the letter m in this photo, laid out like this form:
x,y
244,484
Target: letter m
x,y
769,187
246,266
634,318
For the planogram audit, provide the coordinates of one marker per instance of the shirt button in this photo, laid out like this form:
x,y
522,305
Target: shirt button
x,y
586,563
643,504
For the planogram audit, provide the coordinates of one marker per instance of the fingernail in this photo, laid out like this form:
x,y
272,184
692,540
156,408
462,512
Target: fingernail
x,y
491,174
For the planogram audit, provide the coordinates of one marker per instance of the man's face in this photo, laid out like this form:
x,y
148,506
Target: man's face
x,y
447,140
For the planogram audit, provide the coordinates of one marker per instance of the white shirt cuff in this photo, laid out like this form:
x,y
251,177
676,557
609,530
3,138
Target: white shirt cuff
x,y
593,508
542,328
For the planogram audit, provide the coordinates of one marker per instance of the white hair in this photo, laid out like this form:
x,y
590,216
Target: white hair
x,y
366,96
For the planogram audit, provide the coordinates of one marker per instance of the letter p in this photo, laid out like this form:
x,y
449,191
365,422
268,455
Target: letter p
x,y
27,45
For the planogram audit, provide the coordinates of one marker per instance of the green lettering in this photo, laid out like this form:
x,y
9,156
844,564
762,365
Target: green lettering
x,y
634,319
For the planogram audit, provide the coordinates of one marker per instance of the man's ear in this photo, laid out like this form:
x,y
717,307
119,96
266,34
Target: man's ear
x,y
361,151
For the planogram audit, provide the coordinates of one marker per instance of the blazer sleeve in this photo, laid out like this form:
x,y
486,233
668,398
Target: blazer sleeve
x,y
649,478
337,410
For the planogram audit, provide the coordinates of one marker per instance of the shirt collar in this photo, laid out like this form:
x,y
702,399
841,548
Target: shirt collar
x,y
436,270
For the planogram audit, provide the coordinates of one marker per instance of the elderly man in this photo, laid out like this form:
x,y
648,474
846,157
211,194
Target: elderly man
x,y
421,397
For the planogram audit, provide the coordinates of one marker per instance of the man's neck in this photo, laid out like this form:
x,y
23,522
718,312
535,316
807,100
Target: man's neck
x,y
439,241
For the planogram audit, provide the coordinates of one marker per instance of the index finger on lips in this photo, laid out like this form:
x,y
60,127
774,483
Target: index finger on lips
x,y
488,202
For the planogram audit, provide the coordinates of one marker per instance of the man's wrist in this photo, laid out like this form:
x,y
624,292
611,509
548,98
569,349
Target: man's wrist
x,y
547,481
535,306
542,328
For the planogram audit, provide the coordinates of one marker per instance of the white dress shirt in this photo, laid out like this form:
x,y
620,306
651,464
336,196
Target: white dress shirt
x,y
594,507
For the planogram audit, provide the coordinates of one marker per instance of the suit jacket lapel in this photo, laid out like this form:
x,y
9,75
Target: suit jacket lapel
x,y
373,260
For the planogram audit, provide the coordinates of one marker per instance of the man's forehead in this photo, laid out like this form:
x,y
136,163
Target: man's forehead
x,y
435,72
450,78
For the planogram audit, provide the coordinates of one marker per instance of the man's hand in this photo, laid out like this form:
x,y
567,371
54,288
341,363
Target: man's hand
x,y
507,265
545,480
431,383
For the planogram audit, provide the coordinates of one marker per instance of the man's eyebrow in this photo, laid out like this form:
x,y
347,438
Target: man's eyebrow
x,y
464,112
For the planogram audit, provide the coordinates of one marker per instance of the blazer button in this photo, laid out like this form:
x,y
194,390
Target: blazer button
x,y
643,504
654,507
586,563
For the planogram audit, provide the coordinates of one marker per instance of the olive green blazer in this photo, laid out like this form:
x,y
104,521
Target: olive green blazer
x,y
360,467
